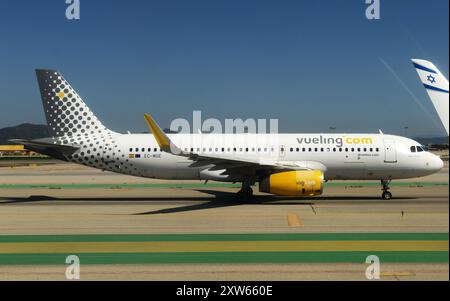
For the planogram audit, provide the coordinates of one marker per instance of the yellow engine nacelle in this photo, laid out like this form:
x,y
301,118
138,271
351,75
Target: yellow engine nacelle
x,y
294,183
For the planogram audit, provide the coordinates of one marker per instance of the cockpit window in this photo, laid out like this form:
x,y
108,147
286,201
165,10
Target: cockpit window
x,y
420,149
413,149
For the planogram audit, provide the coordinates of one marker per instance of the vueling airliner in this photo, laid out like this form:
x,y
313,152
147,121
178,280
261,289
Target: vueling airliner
x,y
287,165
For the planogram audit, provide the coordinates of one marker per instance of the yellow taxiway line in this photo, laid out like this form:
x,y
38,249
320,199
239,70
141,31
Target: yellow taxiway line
x,y
294,221
222,246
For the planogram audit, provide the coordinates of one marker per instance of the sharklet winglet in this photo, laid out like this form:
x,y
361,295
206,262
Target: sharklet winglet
x,y
162,139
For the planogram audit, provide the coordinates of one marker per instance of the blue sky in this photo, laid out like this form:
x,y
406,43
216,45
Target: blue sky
x,y
311,64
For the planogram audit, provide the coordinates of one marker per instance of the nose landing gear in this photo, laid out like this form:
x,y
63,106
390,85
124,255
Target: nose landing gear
x,y
386,195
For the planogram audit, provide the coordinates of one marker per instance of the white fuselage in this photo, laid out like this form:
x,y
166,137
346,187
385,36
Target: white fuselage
x,y
339,156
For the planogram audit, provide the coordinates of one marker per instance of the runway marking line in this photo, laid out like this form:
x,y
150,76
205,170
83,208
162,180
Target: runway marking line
x,y
294,221
224,246
396,274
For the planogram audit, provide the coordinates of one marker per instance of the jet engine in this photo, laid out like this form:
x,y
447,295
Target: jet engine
x,y
294,183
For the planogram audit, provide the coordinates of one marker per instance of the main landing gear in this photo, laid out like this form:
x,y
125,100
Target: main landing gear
x,y
386,195
245,193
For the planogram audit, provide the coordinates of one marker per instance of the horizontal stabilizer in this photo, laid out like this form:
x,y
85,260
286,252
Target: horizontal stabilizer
x,y
43,145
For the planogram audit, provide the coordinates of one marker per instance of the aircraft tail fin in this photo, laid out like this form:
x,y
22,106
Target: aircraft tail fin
x,y
437,88
65,111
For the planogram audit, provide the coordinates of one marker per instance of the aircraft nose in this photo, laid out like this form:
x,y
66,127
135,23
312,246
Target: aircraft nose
x,y
440,163
437,164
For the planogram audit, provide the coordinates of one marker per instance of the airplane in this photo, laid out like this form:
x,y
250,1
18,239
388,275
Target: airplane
x,y
294,165
436,85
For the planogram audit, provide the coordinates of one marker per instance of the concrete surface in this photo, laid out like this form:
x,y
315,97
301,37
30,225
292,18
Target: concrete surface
x,y
205,209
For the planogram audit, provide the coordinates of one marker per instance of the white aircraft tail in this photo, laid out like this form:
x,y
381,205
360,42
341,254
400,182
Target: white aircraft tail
x,y
437,88
66,113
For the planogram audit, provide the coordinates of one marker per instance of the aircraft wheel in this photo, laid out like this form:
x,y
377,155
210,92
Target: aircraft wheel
x,y
386,195
245,193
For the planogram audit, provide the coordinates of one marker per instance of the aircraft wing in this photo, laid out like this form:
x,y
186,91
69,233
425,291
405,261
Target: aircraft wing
x,y
224,161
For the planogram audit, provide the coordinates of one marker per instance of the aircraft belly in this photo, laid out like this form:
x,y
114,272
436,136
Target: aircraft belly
x,y
173,170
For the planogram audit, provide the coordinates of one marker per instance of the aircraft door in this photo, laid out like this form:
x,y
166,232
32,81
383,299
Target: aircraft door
x,y
390,152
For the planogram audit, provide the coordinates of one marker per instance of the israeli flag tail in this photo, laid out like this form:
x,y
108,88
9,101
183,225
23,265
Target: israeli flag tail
x,y
437,87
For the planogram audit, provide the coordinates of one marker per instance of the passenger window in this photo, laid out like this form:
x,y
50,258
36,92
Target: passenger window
x,y
131,150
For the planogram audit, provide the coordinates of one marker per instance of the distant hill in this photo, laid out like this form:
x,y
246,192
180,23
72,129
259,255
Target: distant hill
x,y
23,131
434,140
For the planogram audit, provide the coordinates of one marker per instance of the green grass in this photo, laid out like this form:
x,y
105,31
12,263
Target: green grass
x,y
224,258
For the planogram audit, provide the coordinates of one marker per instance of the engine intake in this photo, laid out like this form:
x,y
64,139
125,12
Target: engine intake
x,y
294,183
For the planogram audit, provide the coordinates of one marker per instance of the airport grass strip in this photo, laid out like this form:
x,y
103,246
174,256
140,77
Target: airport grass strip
x,y
224,248
225,237
224,258
202,185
